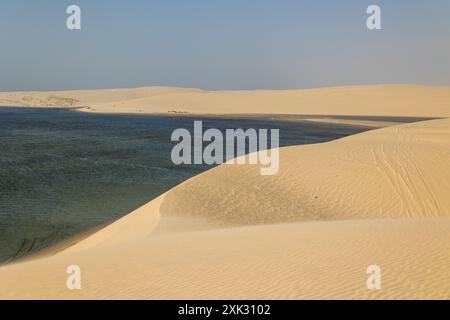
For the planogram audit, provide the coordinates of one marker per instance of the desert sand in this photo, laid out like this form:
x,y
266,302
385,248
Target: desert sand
x,y
376,198
372,100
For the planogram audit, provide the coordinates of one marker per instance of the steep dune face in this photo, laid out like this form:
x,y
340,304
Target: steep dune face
x,y
136,226
397,172
373,100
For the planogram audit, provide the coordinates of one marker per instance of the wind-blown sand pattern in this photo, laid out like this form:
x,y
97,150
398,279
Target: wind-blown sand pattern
x,y
380,197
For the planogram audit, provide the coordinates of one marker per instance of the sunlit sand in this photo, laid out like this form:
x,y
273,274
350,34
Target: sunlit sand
x,y
376,198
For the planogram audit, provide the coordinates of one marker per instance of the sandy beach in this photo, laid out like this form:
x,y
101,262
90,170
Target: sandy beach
x,y
309,232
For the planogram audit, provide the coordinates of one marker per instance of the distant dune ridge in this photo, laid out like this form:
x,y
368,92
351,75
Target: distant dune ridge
x,y
376,198
373,100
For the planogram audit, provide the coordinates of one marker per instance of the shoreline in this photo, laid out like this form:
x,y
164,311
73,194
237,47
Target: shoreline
x,y
364,121
379,197
54,116
336,245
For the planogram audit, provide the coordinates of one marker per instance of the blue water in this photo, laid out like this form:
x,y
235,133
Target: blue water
x,y
64,172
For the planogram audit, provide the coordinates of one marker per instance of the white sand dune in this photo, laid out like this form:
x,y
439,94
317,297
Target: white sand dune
x,y
377,198
373,100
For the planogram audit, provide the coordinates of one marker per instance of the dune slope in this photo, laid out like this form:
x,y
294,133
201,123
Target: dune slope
x,y
315,260
396,172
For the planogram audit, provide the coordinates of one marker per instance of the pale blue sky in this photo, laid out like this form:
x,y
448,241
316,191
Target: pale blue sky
x,y
222,44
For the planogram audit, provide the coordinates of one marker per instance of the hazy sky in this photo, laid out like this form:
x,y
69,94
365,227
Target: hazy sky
x,y
222,44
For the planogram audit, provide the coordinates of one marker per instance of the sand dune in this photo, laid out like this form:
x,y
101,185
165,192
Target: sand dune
x,y
81,97
373,100
396,172
311,231
294,261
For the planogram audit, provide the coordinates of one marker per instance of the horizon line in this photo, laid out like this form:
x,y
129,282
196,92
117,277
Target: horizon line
x,y
236,90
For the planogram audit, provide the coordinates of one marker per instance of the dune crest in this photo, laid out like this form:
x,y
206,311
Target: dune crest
x,y
136,226
396,172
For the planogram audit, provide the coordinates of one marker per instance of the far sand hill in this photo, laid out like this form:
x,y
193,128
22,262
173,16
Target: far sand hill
x,y
374,100
376,198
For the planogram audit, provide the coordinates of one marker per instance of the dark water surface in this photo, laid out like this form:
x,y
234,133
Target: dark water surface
x,y
64,172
